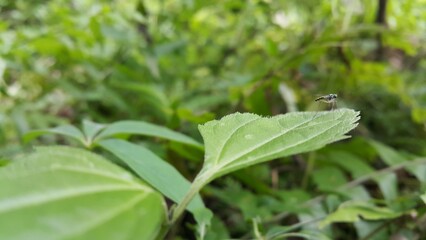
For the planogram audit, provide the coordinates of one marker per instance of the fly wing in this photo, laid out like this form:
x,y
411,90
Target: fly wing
x,y
320,98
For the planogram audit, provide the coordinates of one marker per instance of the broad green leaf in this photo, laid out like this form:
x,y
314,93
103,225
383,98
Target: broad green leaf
x,y
243,139
68,193
147,129
157,172
354,211
67,130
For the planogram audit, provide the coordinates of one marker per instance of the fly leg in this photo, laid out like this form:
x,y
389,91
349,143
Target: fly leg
x,y
333,105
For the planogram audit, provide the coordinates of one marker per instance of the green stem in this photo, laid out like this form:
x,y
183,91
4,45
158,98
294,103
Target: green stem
x,y
199,182
309,169
180,208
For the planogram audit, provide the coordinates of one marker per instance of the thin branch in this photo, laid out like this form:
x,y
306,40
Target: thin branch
x,y
381,21
297,226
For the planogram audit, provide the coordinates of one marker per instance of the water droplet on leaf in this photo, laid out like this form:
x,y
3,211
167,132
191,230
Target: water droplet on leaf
x,y
249,136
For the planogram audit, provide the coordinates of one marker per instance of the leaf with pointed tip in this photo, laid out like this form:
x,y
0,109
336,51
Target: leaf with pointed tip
x,y
392,157
66,130
69,193
154,170
159,173
147,129
354,211
243,139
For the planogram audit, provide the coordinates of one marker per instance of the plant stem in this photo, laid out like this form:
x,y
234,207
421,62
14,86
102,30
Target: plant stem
x,y
296,226
196,186
180,208
256,229
309,169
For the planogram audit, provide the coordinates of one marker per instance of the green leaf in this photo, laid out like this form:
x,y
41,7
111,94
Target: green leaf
x,y
388,184
91,129
329,178
353,212
392,157
351,163
147,129
66,130
242,139
389,156
157,172
358,168
68,193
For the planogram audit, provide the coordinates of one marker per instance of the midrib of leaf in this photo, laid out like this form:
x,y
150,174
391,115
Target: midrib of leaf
x,y
46,197
282,149
106,217
270,140
41,170
105,174
229,137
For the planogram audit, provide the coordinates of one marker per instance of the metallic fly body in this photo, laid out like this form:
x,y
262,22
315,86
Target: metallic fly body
x,y
327,98
330,98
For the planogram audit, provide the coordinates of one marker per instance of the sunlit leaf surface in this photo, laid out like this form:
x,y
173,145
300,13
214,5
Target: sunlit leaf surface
x,y
355,211
67,193
243,139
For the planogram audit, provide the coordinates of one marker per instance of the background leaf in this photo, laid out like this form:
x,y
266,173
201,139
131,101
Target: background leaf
x,y
66,130
68,193
147,129
354,211
160,174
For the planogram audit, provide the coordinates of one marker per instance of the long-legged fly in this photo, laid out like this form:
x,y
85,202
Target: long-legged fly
x,y
330,98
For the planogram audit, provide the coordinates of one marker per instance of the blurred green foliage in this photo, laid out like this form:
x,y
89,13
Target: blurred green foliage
x,y
182,63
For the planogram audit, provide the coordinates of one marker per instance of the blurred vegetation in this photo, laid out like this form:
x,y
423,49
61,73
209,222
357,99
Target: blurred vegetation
x,y
182,63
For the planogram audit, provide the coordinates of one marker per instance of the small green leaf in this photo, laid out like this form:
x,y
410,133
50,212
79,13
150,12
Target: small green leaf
x,y
243,139
68,193
353,211
147,129
66,130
